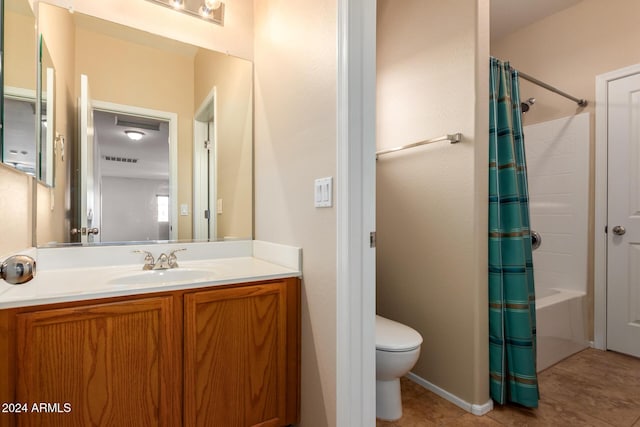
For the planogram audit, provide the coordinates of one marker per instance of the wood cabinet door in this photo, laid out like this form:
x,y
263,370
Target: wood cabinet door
x,y
109,364
235,356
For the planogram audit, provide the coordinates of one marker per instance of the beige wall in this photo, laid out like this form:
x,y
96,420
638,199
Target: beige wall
x,y
233,80
19,51
15,187
432,200
295,142
54,204
142,76
15,210
568,50
235,37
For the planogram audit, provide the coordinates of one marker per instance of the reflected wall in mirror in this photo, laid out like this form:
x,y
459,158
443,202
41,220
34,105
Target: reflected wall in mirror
x,y
139,71
19,87
46,120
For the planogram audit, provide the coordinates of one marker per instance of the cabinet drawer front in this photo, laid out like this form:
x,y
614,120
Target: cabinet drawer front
x,y
112,363
235,356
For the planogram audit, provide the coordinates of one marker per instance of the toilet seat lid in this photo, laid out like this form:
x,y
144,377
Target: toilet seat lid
x,y
394,336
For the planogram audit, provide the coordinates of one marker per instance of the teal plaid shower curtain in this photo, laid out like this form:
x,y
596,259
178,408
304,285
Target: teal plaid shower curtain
x,y
512,316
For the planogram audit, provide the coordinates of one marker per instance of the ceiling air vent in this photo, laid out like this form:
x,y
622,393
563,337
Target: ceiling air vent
x,y
120,159
138,122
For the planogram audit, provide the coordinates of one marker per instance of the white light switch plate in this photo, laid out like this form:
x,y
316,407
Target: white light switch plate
x,y
184,209
323,192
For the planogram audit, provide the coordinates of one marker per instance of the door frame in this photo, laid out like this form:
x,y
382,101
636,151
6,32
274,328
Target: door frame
x,y
355,213
172,118
601,202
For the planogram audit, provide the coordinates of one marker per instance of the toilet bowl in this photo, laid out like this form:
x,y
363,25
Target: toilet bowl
x,y
397,350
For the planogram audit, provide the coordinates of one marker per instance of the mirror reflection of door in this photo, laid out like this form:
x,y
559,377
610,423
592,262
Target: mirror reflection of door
x,y
206,205
132,177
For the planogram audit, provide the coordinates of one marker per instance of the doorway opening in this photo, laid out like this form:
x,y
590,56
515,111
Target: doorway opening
x,y
134,173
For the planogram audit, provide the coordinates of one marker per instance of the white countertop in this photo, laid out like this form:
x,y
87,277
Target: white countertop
x,y
75,274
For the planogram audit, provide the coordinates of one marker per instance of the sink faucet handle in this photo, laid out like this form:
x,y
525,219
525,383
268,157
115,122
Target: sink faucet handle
x,y
149,262
173,259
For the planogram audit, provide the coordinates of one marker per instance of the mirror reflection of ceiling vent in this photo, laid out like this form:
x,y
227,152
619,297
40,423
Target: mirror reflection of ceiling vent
x,y
138,122
120,159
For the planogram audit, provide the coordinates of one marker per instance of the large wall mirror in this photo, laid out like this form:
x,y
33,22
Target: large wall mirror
x,y
19,87
153,138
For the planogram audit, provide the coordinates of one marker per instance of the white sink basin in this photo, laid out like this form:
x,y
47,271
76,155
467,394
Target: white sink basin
x,y
176,275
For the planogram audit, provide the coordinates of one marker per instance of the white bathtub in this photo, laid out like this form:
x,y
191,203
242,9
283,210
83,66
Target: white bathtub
x,y
561,325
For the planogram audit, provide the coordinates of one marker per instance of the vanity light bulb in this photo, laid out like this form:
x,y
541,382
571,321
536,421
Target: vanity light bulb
x,y
177,4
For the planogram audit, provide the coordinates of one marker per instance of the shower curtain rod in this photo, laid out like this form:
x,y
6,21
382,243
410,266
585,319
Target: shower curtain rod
x,y
580,102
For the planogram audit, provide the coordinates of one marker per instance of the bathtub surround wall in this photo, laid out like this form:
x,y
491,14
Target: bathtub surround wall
x,y
558,172
432,200
568,50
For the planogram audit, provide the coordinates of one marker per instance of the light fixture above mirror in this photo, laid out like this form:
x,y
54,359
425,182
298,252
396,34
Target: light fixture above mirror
x,y
209,10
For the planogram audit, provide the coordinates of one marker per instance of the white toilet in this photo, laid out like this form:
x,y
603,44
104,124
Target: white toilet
x,y
397,350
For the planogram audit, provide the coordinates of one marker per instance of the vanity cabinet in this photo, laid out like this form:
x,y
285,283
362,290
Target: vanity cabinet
x,y
218,356
235,356
103,364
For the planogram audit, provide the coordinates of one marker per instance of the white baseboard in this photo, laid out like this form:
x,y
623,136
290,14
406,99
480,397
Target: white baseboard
x,y
469,407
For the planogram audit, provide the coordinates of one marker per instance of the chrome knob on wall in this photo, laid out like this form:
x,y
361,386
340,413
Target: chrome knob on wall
x,y
18,269
536,240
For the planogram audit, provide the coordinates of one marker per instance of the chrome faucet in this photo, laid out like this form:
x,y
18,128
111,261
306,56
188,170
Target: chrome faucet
x,y
149,262
173,259
163,262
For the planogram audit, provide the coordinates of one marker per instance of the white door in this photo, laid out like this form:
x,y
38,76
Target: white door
x,y
623,236
87,184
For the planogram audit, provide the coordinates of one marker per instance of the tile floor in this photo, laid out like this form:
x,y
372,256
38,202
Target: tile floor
x,y
591,388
